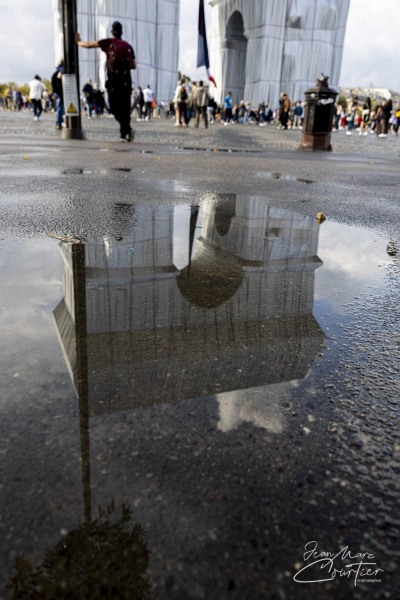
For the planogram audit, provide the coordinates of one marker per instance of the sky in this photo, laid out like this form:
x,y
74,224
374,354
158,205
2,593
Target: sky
x,y
369,55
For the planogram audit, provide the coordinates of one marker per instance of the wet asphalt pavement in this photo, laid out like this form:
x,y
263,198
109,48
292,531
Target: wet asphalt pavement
x,y
181,335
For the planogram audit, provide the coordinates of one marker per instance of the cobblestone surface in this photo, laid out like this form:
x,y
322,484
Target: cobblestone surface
x,y
163,132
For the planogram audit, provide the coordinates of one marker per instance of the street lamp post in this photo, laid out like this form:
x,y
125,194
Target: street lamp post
x,y
73,129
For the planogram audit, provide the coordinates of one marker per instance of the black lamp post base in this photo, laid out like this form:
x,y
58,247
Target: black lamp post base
x,y
72,134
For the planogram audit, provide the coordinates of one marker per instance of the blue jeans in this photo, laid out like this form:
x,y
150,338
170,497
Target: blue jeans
x,y
90,106
59,110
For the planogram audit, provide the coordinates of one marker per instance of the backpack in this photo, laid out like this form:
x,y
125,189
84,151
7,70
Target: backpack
x,y
183,94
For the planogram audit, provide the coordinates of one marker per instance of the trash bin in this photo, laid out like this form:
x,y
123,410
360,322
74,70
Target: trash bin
x,y
318,116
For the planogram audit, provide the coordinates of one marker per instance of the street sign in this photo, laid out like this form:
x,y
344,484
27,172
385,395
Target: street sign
x,y
71,100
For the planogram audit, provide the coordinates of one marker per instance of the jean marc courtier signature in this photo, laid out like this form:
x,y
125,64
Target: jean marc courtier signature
x,y
326,566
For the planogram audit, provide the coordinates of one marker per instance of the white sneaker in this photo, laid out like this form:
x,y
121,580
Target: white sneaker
x,y
348,133
35,118
382,135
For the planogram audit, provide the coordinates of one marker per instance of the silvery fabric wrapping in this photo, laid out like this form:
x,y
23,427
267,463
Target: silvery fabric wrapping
x,y
150,26
260,48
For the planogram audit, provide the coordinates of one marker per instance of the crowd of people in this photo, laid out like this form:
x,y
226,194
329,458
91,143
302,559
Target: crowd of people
x,y
380,118
193,103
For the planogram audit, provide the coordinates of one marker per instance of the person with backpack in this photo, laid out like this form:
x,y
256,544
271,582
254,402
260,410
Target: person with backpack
x,y
120,61
181,104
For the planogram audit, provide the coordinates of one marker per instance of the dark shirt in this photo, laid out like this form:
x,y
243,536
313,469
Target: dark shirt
x,y
120,55
387,108
88,91
56,81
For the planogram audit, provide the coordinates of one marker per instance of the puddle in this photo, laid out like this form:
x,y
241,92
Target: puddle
x,y
286,177
155,366
223,294
82,171
217,149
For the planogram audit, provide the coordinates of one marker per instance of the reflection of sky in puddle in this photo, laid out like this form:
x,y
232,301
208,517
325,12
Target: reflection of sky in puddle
x,y
259,406
31,286
354,263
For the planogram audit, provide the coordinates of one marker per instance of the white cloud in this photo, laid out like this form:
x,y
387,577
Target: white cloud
x,y
370,47
26,40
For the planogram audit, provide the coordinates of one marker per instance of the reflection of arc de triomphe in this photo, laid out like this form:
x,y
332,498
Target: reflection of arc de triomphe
x,y
190,303
260,48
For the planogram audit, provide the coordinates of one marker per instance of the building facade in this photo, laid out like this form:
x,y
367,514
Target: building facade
x,y
260,48
151,27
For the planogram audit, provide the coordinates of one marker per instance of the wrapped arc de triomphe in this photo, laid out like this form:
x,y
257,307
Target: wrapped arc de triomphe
x,y
150,26
258,48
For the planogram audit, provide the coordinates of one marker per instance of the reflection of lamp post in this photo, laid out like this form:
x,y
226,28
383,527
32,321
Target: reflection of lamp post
x,y
73,127
79,290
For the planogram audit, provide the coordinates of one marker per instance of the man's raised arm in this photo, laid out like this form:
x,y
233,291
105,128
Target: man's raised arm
x,y
83,44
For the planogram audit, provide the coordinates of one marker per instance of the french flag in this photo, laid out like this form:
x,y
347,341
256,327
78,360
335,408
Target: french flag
x,y
202,47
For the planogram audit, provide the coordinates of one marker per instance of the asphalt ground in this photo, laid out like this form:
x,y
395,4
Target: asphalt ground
x,y
161,131
227,515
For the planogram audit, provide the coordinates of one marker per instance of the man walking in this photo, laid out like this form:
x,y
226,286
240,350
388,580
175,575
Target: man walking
x,y
36,89
228,106
201,99
120,60
148,96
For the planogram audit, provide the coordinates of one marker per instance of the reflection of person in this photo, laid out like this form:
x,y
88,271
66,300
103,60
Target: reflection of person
x,y
36,89
120,60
